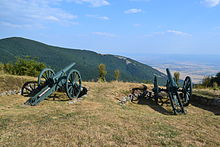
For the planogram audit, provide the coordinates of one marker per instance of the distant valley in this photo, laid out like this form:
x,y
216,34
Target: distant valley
x,y
196,66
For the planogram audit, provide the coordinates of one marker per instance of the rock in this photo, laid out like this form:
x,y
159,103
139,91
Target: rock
x,y
10,92
72,102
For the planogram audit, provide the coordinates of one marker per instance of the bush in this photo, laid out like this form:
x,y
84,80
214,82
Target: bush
x,y
117,74
206,81
215,86
8,68
1,68
102,72
218,78
177,77
24,66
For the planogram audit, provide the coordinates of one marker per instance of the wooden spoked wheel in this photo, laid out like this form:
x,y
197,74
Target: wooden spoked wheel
x,y
73,84
45,75
187,91
29,88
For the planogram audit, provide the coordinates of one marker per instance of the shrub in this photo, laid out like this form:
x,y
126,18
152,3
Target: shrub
x,y
206,81
215,85
218,78
1,68
102,72
117,74
24,66
8,68
177,77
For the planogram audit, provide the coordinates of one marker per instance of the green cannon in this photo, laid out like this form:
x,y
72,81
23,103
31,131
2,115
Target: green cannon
x,y
179,97
48,82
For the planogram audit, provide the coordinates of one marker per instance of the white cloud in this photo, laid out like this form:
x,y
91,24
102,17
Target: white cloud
x,y
172,32
178,33
131,11
137,25
98,17
20,26
11,25
103,17
34,12
210,3
105,34
93,3
52,18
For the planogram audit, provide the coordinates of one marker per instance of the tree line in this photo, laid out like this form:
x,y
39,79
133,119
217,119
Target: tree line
x,y
23,66
31,67
211,81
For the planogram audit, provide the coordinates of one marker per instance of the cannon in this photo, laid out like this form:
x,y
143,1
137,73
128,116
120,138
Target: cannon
x,y
179,97
48,82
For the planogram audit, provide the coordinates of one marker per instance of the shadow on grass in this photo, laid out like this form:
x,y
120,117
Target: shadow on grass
x,y
144,97
157,107
213,109
62,97
56,97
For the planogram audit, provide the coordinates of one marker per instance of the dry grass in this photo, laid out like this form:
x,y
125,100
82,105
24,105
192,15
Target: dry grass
x,y
209,93
12,82
99,120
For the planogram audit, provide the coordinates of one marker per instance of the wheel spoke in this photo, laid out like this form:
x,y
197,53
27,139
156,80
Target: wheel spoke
x,y
71,78
43,77
69,88
50,74
47,74
28,89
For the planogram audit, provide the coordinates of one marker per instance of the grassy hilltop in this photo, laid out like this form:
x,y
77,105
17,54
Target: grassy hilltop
x,y
98,120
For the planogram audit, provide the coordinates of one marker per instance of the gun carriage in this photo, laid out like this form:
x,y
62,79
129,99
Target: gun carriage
x,y
179,97
48,82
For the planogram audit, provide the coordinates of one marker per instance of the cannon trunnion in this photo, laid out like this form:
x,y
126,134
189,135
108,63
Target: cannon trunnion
x,y
49,82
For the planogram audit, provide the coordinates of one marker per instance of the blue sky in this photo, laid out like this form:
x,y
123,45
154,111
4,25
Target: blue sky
x,y
123,27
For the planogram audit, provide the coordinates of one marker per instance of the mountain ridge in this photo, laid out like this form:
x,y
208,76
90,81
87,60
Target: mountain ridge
x,y
86,61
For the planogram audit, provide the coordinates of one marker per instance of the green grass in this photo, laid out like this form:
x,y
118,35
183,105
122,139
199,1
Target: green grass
x,y
12,82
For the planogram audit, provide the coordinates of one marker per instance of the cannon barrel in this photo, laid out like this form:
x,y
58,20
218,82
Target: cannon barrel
x,y
58,74
170,78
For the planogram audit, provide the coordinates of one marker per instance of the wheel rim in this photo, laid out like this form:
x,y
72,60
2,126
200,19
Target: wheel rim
x,y
73,84
29,88
176,103
45,75
187,91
